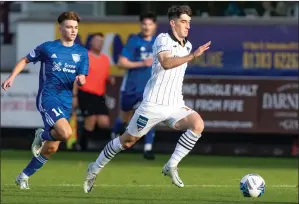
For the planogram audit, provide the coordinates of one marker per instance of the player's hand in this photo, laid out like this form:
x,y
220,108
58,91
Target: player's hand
x,y
148,62
7,83
202,49
81,80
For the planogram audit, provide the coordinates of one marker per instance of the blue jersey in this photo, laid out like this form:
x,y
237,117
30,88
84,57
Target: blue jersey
x,y
59,67
137,49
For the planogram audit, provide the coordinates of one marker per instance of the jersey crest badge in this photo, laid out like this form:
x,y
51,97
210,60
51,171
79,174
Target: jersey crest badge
x,y
76,57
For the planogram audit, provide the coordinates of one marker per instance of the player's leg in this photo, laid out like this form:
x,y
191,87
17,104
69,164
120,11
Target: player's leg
x,y
88,130
38,161
148,145
138,126
87,105
56,117
127,101
103,120
183,119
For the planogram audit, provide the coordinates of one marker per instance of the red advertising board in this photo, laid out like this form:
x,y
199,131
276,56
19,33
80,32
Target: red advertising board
x,y
236,105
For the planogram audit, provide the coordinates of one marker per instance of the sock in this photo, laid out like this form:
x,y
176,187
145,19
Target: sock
x,y
109,151
46,135
185,144
35,164
119,127
83,141
148,140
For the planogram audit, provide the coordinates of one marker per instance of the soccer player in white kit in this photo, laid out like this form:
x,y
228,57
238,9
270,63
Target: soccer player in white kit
x,y
162,100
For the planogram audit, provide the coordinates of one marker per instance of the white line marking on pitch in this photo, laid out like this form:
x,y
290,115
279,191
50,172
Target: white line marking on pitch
x,y
146,186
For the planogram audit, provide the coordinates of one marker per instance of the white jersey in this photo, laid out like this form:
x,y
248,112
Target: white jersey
x,y
165,86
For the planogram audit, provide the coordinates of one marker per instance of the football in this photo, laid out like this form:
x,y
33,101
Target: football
x,y
252,185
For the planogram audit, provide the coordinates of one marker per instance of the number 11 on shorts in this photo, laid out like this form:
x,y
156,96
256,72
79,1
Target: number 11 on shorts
x,y
57,112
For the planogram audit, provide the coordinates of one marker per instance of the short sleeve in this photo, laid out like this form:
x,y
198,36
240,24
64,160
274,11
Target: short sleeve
x,y
162,44
189,47
36,54
84,64
129,48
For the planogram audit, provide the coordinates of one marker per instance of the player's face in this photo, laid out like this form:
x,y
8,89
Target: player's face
x,y
148,27
97,43
181,25
69,30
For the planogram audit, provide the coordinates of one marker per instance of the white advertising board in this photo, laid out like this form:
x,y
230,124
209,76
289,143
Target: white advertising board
x,y
18,107
31,34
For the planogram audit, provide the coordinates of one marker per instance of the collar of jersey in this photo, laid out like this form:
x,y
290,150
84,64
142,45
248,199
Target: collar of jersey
x,y
175,39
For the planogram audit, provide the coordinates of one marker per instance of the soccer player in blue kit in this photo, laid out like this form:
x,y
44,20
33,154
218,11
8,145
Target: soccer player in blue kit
x,y
136,59
63,63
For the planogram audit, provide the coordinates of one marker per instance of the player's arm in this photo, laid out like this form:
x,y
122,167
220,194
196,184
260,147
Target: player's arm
x,y
75,96
33,56
83,69
125,63
125,60
168,61
110,78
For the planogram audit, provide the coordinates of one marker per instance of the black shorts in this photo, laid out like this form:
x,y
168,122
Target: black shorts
x,y
91,104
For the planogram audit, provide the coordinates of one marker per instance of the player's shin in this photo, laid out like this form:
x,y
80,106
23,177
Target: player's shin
x,y
109,151
84,137
148,140
34,165
185,144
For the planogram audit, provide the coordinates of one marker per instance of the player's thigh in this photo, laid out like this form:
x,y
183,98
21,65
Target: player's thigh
x,y
129,103
143,121
63,128
185,118
87,103
102,113
56,116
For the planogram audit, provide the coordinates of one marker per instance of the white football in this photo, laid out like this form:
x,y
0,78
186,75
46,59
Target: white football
x,y
252,185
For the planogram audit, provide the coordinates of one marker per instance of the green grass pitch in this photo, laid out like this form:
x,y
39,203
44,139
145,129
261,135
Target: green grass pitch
x,y
131,179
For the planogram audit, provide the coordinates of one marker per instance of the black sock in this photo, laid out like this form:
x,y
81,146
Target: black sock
x,y
83,141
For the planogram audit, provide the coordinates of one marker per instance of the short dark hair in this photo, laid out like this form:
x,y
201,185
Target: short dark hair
x,y
68,15
98,34
149,15
176,11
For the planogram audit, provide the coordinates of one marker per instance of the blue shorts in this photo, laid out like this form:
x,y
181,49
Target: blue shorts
x,y
51,111
130,101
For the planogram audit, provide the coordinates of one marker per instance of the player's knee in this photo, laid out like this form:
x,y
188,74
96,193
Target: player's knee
x,y
104,122
66,133
127,140
198,125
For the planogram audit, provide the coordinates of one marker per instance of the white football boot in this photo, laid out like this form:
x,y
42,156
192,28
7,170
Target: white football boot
x,y
22,182
173,173
37,143
90,179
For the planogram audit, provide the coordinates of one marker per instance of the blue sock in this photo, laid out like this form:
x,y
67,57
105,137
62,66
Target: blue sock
x,y
119,127
35,164
46,135
149,140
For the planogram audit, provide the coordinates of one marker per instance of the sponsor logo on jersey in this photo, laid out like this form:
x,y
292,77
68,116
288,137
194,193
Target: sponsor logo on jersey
x,y
141,122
